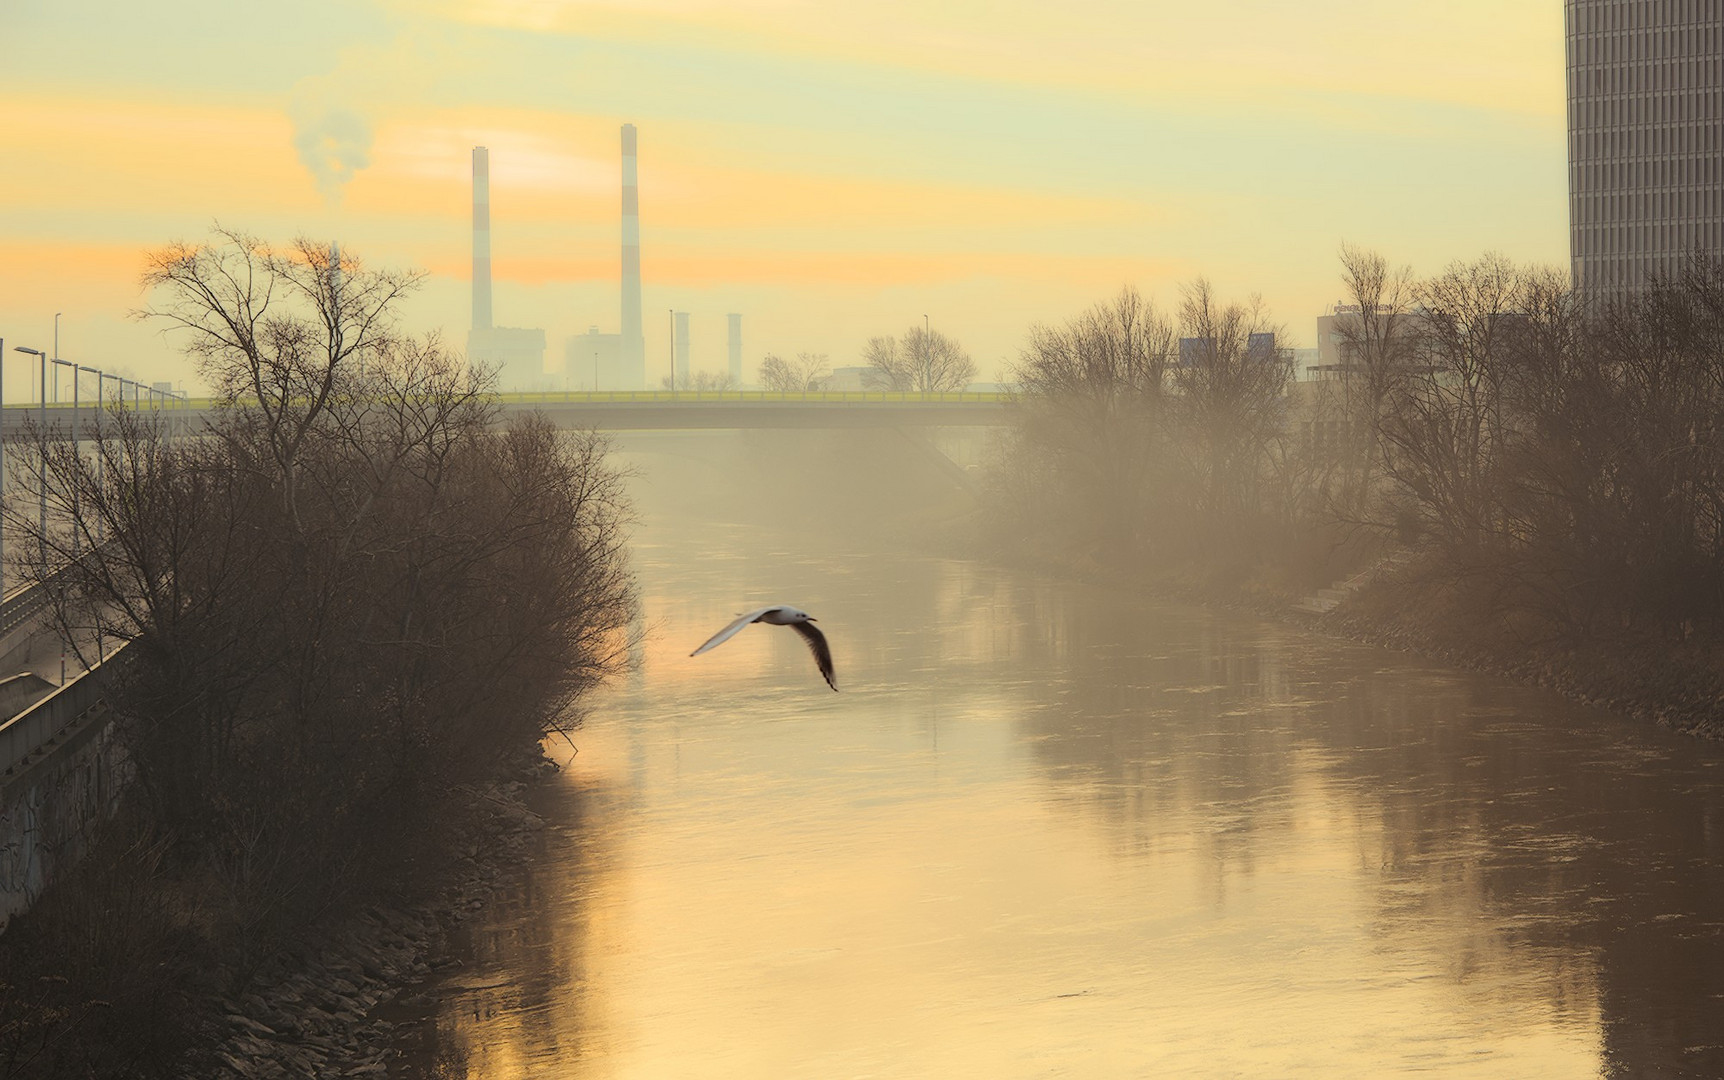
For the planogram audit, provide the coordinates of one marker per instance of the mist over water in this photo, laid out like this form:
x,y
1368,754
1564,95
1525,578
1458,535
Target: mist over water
x,y
1056,829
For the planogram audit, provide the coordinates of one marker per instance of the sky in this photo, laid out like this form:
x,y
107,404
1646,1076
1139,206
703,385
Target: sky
x,y
832,170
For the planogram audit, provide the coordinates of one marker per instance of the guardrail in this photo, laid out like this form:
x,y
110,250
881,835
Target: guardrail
x,y
21,606
835,397
661,397
33,728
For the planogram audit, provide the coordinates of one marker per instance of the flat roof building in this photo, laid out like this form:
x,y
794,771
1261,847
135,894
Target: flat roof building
x,y
1645,138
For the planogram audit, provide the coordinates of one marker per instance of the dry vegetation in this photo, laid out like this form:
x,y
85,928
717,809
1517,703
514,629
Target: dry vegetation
x,y
1555,470
349,593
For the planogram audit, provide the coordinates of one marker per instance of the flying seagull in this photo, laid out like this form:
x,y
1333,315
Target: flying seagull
x,y
781,615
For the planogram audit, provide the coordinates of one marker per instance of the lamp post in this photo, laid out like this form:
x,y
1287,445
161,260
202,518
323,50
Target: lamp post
x,y
101,448
77,453
673,350
57,315
42,461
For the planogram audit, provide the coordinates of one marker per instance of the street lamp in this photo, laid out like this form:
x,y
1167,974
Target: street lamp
x,y
77,454
42,461
101,448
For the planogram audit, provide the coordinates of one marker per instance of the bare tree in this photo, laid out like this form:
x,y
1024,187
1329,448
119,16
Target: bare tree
x,y
1231,378
1379,349
922,361
1093,392
701,382
273,331
808,371
1445,428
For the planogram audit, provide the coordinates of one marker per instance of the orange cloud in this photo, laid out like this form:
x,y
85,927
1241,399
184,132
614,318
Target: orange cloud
x,y
154,156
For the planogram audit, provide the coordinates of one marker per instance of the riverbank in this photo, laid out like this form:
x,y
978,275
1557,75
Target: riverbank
x,y
1654,678
1677,684
130,967
314,1013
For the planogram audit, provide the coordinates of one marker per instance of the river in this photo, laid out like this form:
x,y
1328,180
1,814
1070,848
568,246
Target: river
x,y
1053,829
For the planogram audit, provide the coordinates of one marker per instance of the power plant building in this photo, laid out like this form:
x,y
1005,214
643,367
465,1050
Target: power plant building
x,y
632,362
515,354
1645,138
595,361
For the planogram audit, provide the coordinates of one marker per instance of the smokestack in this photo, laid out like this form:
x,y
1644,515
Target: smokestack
x,y
481,238
633,344
735,349
682,350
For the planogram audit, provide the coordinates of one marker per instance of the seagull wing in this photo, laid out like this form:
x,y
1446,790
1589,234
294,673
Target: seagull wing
x,y
729,632
822,653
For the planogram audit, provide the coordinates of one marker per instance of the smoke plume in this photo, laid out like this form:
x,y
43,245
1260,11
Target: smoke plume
x,y
333,142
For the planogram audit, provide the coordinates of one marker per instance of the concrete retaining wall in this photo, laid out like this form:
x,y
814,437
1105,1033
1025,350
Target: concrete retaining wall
x,y
62,775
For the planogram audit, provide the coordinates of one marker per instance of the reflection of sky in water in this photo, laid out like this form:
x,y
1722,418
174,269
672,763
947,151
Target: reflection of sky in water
x,y
1048,829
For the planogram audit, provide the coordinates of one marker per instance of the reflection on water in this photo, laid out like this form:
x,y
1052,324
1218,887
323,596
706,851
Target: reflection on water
x,y
1053,830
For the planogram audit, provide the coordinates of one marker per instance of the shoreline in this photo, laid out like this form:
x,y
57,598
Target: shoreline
x,y
317,1015
1678,687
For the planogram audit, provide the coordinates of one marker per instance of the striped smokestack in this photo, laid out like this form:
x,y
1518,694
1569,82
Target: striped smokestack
x,y
735,349
481,238
633,345
681,350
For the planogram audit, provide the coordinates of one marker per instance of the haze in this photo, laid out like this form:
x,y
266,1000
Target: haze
x,y
832,171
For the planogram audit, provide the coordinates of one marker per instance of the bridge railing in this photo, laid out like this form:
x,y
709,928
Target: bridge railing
x,y
836,397
33,728
660,397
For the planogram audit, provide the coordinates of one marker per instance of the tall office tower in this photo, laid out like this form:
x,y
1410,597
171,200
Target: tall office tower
x,y
735,349
1645,138
633,342
682,350
481,238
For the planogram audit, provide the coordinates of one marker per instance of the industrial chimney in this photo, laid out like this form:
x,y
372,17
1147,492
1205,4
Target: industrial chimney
x,y
633,344
735,349
682,350
481,238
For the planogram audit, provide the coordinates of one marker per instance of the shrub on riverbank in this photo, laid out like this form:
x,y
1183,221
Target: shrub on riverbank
x,y
1555,469
348,593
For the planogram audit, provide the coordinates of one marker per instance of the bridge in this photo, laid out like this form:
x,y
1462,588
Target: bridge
x,y
637,410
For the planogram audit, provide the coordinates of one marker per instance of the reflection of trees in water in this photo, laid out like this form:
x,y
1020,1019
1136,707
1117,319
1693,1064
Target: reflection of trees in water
x,y
524,997
1520,845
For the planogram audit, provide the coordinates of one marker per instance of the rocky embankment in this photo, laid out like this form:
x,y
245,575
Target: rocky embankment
x,y
311,1015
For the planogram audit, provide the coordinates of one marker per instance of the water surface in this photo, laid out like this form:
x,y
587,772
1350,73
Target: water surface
x,y
1051,829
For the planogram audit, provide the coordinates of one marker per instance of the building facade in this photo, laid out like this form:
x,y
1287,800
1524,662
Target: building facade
x,y
516,355
1645,138
595,361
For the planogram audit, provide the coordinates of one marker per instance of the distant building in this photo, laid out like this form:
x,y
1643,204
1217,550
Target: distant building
x,y
1645,138
517,356
848,378
1334,354
1193,350
595,361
